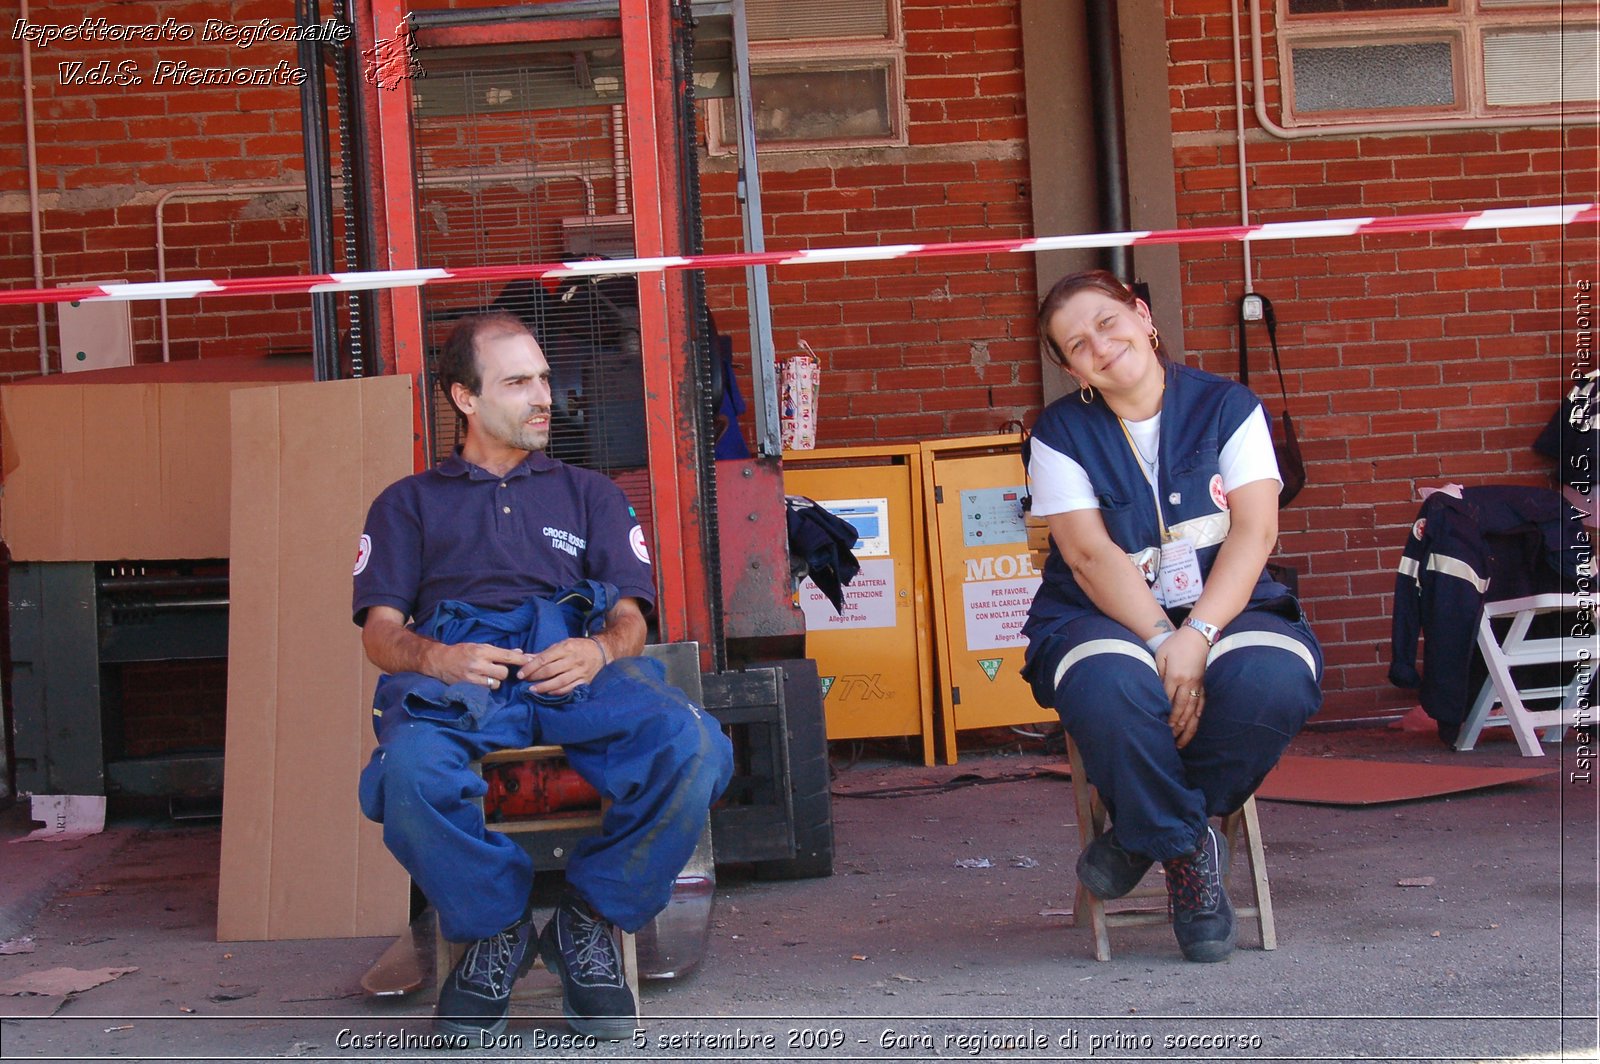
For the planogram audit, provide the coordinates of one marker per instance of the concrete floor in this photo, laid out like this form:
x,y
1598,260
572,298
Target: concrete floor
x,y
903,954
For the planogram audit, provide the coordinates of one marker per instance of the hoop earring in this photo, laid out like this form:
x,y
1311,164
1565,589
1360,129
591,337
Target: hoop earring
x,y
1085,394
1155,340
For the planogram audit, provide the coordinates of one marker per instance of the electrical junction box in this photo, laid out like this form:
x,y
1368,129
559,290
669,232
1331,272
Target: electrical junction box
x,y
94,333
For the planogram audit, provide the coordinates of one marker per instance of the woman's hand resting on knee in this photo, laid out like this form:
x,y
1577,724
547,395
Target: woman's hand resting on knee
x,y
1181,663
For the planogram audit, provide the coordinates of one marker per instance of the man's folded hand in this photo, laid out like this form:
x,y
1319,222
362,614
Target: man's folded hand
x,y
563,666
475,663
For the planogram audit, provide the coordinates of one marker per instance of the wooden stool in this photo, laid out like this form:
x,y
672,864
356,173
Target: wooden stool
x,y
1092,824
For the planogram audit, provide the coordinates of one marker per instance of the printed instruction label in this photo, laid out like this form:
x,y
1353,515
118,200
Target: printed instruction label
x,y
996,610
868,600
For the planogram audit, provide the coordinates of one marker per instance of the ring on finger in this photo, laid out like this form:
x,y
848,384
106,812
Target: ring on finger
x,y
1194,692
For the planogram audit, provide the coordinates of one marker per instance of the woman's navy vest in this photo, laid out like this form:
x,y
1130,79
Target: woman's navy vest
x,y
1199,413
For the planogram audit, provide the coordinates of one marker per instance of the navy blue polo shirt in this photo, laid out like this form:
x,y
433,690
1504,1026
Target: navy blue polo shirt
x,y
459,532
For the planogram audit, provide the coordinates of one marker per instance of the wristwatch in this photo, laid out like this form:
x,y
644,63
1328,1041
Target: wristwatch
x,y
1208,631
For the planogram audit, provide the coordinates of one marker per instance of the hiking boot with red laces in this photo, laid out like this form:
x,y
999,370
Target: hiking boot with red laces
x,y
581,947
1202,916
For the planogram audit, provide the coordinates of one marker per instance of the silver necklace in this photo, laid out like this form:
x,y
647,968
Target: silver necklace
x,y
1149,463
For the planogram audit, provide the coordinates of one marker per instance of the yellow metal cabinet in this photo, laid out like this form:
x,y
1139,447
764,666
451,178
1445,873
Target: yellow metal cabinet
x,y
983,583
873,659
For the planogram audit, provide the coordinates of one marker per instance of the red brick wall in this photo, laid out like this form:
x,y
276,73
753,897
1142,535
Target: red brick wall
x,y
170,706
909,350
107,153
1410,360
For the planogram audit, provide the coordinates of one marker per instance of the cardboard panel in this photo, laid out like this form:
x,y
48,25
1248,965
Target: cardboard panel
x,y
299,860
116,498
195,418
101,472
36,438
1348,781
250,753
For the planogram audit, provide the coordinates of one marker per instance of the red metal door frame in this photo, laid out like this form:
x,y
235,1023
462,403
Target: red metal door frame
x,y
383,23
650,84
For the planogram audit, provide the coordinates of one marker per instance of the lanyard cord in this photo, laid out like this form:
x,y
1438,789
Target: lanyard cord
x,y
1026,450
1144,467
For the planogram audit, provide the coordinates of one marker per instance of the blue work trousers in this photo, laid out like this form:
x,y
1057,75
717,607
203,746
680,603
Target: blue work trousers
x,y
658,758
1262,682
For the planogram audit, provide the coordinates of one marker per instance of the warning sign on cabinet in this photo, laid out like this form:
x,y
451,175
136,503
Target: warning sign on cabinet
x,y
996,611
868,600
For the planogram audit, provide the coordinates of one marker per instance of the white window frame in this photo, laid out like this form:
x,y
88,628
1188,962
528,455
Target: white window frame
x,y
1463,24
833,53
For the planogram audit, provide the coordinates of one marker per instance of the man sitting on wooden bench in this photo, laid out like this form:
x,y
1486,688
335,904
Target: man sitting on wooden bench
x,y
528,581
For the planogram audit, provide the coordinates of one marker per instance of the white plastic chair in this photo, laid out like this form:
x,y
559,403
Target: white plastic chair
x,y
1502,701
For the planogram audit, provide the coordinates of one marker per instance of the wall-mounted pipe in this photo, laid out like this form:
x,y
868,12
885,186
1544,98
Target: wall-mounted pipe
x,y
34,220
1238,125
1100,28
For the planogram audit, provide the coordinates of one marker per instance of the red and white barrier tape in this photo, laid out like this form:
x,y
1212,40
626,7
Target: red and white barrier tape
x,y
1501,218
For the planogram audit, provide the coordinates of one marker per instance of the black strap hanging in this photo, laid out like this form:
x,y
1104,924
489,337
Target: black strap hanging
x,y
1291,467
1271,319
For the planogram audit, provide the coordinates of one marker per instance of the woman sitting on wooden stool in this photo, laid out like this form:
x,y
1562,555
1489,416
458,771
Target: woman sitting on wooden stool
x,y
1180,668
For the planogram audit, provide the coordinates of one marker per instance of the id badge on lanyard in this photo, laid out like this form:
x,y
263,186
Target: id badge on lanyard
x,y
1178,583
1177,580
1172,571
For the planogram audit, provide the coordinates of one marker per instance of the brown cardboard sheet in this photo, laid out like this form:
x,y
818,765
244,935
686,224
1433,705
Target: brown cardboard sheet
x,y
298,859
1352,781
259,367
103,472
1349,781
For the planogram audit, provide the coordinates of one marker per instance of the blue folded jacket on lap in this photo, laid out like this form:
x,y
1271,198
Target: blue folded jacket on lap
x,y
537,624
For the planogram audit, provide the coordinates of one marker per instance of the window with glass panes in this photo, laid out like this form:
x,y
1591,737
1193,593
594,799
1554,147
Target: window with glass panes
x,y
1355,60
823,73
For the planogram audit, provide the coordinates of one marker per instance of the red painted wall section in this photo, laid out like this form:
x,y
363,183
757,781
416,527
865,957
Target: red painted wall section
x,y
1411,361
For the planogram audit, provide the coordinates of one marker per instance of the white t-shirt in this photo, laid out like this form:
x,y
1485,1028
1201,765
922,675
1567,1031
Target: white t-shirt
x,y
1060,485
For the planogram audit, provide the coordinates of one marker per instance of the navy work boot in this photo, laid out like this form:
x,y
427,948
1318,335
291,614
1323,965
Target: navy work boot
x,y
1202,916
581,947
476,997
1109,871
